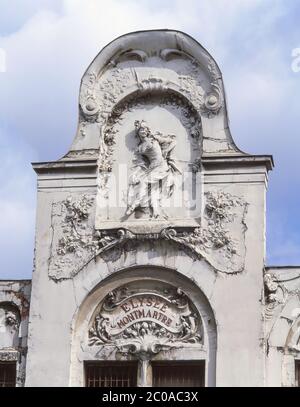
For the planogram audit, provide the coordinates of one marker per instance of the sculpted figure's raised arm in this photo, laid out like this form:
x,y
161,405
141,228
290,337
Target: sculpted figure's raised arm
x,y
152,177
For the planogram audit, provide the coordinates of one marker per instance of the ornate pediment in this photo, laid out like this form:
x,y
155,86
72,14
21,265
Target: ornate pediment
x,y
150,107
168,81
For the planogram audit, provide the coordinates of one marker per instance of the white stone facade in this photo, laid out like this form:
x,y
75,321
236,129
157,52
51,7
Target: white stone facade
x,y
150,233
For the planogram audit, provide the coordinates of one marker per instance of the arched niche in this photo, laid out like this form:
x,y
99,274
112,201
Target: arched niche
x,y
284,344
189,334
14,310
9,325
174,120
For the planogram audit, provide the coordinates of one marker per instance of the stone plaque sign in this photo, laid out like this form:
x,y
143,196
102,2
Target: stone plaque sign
x,y
145,321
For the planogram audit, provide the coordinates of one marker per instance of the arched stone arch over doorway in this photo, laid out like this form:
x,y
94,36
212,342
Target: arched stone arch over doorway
x,y
173,322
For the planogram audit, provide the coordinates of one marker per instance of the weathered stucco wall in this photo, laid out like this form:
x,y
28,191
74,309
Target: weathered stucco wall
x,y
235,297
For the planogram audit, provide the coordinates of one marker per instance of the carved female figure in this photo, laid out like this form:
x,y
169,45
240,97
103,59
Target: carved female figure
x,y
9,325
153,172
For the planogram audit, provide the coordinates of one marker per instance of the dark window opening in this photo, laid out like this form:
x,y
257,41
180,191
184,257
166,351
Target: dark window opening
x,y
7,374
297,369
178,374
113,374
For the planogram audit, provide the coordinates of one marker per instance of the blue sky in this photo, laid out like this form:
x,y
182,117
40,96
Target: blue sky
x,y
48,44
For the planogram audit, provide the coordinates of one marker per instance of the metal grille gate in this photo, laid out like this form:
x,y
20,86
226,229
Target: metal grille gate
x,y
113,374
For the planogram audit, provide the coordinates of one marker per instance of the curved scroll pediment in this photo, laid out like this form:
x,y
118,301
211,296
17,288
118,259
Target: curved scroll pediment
x,y
159,59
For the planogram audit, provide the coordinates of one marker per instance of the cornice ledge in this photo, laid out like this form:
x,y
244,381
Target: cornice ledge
x,y
266,160
54,166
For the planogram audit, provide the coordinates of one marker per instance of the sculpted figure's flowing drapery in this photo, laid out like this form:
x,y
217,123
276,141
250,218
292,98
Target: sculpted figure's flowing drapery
x,y
152,179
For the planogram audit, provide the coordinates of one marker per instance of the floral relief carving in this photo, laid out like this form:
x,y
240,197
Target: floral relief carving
x,y
76,242
115,79
73,237
76,213
214,241
220,206
98,97
209,102
107,145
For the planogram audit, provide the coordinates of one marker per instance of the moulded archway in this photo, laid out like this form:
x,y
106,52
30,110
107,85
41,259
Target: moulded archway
x,y
199,345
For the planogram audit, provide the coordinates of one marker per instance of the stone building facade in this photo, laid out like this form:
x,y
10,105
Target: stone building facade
x,y
150,239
